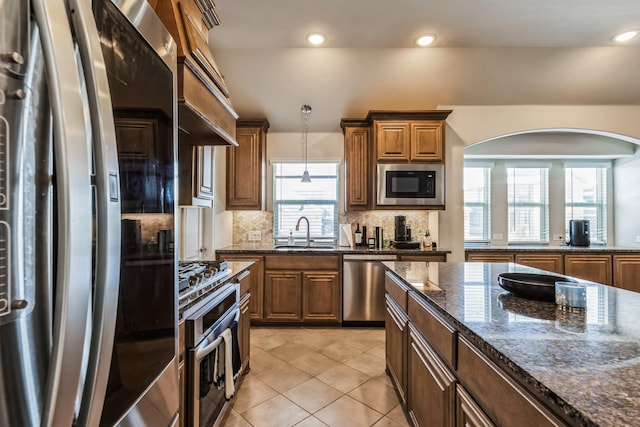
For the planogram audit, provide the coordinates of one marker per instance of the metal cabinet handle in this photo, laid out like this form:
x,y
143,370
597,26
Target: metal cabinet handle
x,y
73,185
107,278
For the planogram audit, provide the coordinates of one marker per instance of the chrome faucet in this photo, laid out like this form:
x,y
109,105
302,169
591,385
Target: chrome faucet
x,y
298,229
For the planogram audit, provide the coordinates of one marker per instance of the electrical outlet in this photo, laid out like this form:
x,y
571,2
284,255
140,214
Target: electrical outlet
x,y
637,239
255,236
497,236
558,237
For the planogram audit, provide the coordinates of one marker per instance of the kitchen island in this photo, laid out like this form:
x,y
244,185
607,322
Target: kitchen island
x,y
505,360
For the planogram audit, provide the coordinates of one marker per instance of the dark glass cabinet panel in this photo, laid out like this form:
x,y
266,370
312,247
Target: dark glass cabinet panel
x,y
142,97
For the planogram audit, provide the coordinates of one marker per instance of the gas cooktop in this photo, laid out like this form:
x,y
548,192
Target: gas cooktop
x,y
193,273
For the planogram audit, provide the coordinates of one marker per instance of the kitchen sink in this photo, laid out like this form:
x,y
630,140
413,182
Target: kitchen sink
x,y
304,248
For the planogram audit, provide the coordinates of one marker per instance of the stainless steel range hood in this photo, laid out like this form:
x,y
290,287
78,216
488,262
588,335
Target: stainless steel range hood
x,y
205,114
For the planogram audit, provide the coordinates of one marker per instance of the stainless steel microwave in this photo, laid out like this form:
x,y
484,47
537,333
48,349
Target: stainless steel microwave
x,y
410,184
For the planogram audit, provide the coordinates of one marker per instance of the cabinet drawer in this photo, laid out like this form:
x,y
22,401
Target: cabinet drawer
x,y
302,262
489,257
397,290
245,282
504,401
181,341
422,258
438,333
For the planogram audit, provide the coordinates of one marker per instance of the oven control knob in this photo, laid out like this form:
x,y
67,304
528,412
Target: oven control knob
x,y
194,279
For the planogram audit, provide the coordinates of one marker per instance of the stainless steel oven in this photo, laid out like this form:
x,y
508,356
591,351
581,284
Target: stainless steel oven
x,y
410,184
213,360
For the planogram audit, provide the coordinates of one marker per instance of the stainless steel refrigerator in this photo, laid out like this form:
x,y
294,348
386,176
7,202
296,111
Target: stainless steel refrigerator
x,y
88,278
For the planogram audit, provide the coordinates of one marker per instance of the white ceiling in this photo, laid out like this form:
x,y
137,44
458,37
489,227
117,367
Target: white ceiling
x,y
488,52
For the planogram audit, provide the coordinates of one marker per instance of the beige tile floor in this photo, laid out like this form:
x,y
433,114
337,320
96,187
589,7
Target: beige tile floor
x,y
311,377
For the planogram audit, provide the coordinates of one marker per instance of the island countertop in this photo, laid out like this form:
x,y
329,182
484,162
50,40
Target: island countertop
x,y
585,365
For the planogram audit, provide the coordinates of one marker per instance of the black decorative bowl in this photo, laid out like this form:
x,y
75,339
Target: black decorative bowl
x,y
540,287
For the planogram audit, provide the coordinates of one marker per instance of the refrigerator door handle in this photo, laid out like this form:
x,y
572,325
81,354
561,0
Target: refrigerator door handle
x,y
107,278
73,187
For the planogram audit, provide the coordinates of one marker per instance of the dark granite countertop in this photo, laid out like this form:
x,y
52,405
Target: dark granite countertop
x,y
586,365
268,249
544,248
194,296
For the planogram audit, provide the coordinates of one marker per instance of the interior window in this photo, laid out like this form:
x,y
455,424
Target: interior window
x,y
528,209
586,198
317,200
477,197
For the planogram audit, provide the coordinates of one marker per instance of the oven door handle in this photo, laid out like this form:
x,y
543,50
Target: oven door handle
x,y
204,349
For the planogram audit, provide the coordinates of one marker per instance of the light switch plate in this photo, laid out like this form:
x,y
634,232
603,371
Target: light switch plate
x,y
255,236
558,237
497,236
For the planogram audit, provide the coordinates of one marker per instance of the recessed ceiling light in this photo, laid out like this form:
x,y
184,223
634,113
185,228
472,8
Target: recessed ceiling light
x,y
625,37
425,40
315,39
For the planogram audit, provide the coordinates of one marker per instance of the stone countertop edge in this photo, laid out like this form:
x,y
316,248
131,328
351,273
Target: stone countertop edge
x,y
268,249
562,249
584,396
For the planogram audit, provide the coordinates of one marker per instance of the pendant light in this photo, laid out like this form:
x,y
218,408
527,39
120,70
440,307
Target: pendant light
x,y
306,112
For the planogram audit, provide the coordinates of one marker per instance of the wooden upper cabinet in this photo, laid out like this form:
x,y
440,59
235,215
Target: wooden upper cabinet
x,y
246,166
197,175
357,165
426,141
392,141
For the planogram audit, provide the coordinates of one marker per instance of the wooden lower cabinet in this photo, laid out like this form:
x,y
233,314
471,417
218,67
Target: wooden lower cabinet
x,y
256,282
321,296
431,385
504,401
489,257
596,268
468,413
548,262
422,258
245,331
182,419
282,295
626,272
396,336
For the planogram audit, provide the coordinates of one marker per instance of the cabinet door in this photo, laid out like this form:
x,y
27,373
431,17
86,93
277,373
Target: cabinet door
x,y
256,282
392,141
489,257
282,296
431,391
245,170
427,141
468,413
182,384
204,179
245,340
549,262
596,268
321,296
396,333
423,258
357,167
139,133
626,272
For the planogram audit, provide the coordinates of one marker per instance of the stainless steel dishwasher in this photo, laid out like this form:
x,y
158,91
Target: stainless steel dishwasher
x,y
363,288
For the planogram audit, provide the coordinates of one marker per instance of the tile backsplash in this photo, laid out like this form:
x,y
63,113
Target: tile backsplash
x,y
245,221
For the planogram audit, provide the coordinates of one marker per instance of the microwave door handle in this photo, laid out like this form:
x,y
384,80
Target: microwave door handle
x,y
107,277
73,186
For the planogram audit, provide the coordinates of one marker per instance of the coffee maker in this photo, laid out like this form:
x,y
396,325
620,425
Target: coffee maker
x,y
579,232
402,235
401,229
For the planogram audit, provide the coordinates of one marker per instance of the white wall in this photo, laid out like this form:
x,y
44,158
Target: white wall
x,y
626,175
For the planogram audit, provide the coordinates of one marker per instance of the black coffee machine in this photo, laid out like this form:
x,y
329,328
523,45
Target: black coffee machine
x,y
403,234
579,232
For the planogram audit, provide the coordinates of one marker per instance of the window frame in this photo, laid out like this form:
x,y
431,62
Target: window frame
x,y
284,202
543,237
486,204
600,229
